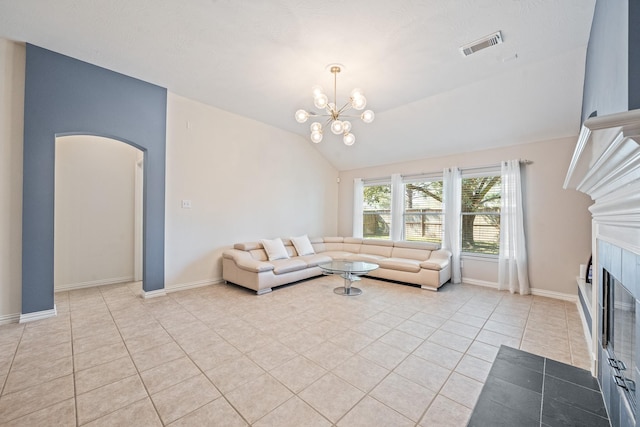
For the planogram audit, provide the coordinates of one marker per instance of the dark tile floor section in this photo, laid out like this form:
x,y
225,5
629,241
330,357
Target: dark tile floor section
x,y
524,389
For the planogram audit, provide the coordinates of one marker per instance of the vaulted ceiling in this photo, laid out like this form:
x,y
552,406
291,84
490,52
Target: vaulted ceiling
x,y
260,59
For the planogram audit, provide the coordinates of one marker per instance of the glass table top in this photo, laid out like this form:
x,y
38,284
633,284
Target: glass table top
x,y
353,267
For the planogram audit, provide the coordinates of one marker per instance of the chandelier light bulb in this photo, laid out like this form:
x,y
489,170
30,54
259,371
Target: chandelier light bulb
x,y
346,126
356,93
317,91
302,116
320,101
337,127
359,102
316,137
316,127
349,139
367,116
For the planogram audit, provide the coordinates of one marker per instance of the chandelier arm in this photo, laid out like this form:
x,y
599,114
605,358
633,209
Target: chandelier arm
x,y
335,71
345,107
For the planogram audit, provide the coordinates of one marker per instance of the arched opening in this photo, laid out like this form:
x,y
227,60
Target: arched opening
x,y
98,212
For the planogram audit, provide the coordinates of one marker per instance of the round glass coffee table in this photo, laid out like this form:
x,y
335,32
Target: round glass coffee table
x,y
350,272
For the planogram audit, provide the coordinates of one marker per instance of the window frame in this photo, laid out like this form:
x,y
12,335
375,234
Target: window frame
x,y
422,178
480,173
375,183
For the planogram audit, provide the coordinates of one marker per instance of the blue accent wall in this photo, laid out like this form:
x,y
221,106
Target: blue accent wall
x,y
66,96
612,74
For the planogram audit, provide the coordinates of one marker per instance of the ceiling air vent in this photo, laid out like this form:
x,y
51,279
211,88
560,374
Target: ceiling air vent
x,y
483,43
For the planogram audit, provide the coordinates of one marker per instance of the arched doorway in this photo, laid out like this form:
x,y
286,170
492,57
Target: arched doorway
x,y
98,212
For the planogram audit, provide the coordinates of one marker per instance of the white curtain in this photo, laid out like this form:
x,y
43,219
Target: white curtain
x,y
397,207
452,203
512,265
358,206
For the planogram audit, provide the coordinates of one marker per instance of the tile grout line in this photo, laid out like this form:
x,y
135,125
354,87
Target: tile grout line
x,y
544,373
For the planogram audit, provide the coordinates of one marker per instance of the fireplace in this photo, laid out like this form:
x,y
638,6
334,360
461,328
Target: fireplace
x,y
619,335
606,166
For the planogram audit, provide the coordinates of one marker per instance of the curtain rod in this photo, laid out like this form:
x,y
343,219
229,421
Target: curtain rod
x,y
495,165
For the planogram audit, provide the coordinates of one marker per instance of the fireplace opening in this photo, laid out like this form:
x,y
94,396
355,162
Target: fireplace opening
x,y
618,334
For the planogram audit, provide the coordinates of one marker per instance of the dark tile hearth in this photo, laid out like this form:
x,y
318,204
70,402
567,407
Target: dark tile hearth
x,y
524,389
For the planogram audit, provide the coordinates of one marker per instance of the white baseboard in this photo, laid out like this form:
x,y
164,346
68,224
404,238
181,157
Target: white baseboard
x,y
9,318
92,283
38,315
477,282
555,295
534,291
192,285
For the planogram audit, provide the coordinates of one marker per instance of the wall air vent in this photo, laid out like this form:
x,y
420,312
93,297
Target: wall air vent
x,y
483,43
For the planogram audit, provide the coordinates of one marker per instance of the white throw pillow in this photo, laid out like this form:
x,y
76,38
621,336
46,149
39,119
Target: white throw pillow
x,y
275,249
303,245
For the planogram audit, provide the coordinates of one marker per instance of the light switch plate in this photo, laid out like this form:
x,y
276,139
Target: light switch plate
x,y
186,204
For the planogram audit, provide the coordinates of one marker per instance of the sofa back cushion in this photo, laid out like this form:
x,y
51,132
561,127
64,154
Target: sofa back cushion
x,y
417,245
328,244
414,250
352,244
377,247
259,254
408,253
247,246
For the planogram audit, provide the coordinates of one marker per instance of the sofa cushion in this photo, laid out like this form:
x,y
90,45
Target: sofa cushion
x,y
337,255
259,254
409,253
366,258
314,260
303,245
281,266
352,244
381,248
248,246
430,246
401,264
275,249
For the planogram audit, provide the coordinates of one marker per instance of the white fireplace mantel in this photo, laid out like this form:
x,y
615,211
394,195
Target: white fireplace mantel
x,y
606,166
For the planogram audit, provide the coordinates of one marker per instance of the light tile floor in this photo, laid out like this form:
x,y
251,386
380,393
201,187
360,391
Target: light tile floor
x,y
299,356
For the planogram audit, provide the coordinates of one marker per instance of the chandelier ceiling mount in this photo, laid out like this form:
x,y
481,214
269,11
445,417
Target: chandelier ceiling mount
x,y
335,116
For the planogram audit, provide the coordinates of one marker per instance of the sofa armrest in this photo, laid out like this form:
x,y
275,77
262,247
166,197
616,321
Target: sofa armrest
x,y
245,261
439,260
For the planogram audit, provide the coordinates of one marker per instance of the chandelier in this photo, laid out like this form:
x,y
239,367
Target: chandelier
x,y
335,116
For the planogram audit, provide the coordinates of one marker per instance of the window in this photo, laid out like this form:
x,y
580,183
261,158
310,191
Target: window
x,y
422,219
376,220
481,194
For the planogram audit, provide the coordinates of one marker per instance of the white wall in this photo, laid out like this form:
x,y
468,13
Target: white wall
x,y
12,66
558,224
94,211
246,181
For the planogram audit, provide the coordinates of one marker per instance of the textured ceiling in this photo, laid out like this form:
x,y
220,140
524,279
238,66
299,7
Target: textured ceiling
x,y
261,58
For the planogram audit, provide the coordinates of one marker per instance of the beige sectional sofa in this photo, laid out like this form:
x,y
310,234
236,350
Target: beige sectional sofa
x,y
419,263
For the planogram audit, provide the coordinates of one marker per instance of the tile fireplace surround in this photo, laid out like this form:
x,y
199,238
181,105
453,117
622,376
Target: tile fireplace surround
x,y
606,166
